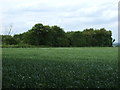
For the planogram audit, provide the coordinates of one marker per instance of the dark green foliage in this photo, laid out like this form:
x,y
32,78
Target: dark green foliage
x,y
59,37
103,37
18,38
90,38
9,40
54,36
46,35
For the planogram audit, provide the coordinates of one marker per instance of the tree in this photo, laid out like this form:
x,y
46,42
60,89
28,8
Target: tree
x,y
89,35
103,37
35,36
60,38
18,38
55,36
8,40
76,39
49,36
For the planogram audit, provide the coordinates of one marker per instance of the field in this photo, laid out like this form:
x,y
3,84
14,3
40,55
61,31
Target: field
x,y
60,67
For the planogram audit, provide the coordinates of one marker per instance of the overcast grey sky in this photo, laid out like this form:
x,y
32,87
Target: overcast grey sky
x,y
71,15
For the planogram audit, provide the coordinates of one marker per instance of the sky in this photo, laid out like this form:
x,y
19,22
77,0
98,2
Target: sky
x,y
71,15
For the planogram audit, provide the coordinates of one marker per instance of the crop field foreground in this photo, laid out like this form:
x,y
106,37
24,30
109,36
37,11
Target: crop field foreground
x,y
60,67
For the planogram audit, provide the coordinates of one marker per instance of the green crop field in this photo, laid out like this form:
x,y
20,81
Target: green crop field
x,y
60,67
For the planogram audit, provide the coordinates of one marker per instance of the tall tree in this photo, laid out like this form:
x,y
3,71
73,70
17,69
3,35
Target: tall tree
x,y
60,38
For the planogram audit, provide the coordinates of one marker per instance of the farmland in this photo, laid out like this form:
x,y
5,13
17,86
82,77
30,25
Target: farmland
x,y
84,67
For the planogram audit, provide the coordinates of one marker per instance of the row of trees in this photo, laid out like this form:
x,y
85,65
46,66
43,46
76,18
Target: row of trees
x,y
57,37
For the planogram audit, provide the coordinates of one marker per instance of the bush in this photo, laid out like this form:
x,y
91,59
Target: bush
x,y
23,46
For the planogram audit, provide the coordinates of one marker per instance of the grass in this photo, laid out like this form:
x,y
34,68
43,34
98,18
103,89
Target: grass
x,y
60,67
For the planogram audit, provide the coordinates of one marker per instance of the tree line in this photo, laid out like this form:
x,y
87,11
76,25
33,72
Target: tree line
x,y
54,36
